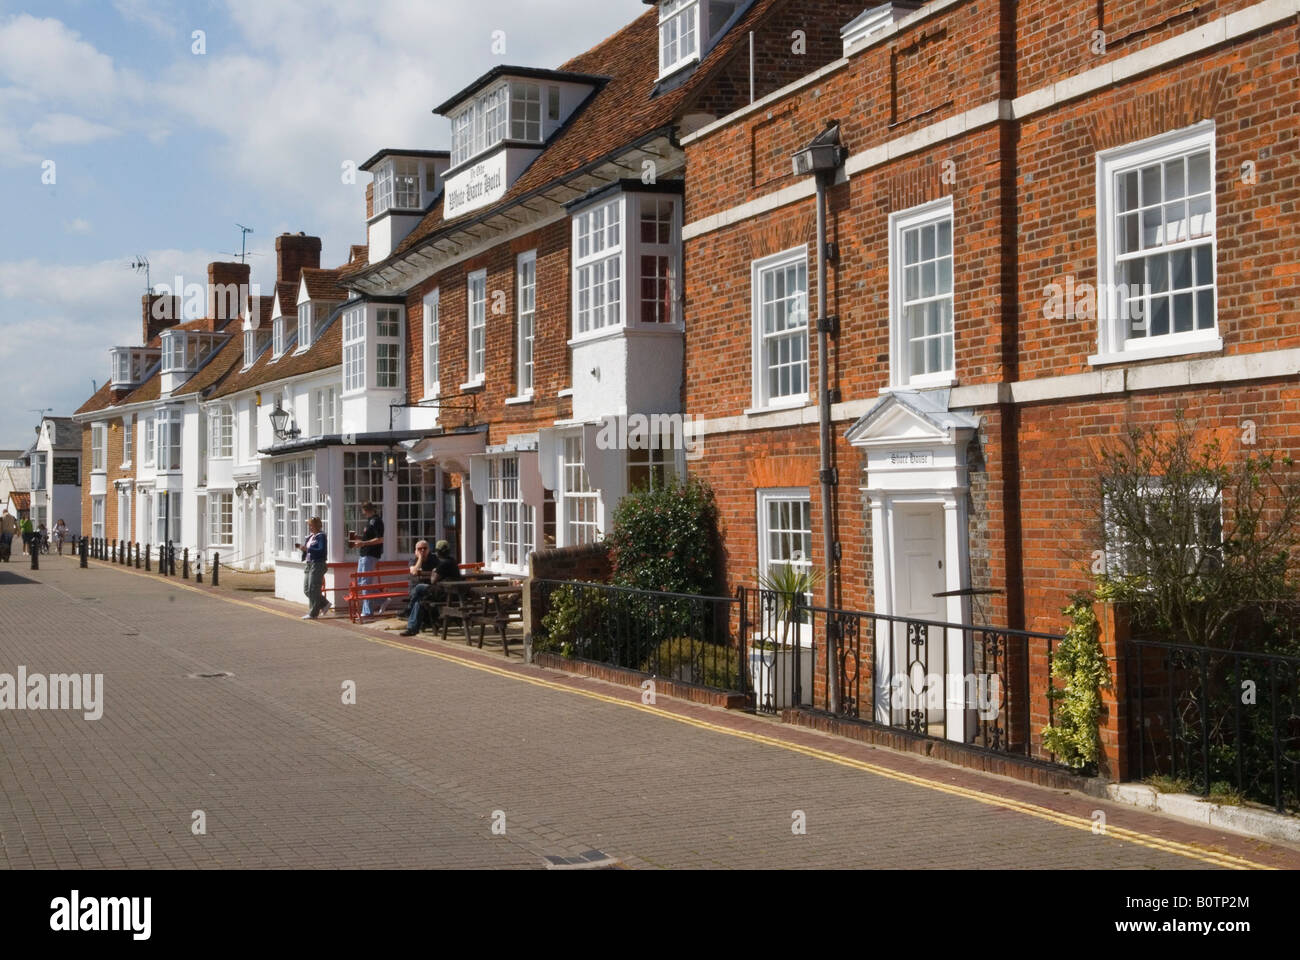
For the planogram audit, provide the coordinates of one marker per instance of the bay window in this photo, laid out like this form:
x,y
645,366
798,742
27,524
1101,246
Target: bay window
x,y
511,525
169,439
598,262
388,348
354,350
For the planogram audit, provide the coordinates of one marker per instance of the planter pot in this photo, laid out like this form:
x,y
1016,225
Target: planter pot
x,y
771,672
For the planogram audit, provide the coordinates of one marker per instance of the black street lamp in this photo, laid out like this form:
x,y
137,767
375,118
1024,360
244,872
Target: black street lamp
x,y
390,463
279,418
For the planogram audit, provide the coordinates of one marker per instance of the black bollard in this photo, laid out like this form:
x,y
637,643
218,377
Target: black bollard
x,y
148,551
171,559
216,568
35,551
82,546
185,564
198,567
137,554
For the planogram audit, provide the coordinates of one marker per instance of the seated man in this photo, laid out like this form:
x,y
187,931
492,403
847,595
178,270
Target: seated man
x,y
431,569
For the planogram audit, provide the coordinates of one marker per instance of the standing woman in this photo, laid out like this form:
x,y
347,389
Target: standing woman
x,y
60,534
313,575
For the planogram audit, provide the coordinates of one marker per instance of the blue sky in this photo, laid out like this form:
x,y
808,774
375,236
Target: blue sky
x,y
159,150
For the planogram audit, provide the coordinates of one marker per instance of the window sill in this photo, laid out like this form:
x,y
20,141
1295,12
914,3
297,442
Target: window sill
x,y
566,392
780,406
1176,349
921,383
473,386
521,399
607,332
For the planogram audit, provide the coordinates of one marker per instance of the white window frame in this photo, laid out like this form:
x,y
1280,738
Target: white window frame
x,y
508,526
324,411
128,424
98,445
900,366
678,19
280,338
149,441
170,438
221,432
221,519
669,250
97,517
124,530
306,314
599,292
526,321
762,398
1113,552
388,347
524,97
432,344
1113,343
476,321
571,494
766,498
174,348
354,350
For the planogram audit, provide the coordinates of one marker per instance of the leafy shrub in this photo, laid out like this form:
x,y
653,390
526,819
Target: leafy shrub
x,y
667,539
573,622
1079,663
706,664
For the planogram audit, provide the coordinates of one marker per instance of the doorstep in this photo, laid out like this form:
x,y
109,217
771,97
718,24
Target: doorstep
x,y
1247,821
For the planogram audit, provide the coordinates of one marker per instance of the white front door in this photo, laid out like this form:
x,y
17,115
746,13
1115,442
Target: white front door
x,y
918,665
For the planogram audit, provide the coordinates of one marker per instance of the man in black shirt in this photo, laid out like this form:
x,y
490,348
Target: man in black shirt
x,y
439,567
370,544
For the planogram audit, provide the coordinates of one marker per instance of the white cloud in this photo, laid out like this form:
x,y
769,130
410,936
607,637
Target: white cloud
x,y
160,16
46,58
64,128
78,226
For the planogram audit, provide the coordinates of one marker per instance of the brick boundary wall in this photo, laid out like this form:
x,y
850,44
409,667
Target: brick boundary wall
x,y
957,754
635,678
588,563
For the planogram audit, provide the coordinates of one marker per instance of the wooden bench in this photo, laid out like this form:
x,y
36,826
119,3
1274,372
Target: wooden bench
x,y
390,580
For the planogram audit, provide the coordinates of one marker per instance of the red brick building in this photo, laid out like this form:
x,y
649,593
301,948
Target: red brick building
x,y
1004,162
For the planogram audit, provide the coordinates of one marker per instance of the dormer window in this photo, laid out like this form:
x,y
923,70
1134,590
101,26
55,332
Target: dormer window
x,y
254,344
185,352
678,34
688,29
304,325
510,110
130,364
280,337
397,185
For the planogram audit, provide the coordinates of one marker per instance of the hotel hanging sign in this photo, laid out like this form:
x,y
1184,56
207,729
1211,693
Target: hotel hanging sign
x,y
476,186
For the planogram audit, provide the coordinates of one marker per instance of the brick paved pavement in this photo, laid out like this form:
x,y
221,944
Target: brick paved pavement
x,y
411,775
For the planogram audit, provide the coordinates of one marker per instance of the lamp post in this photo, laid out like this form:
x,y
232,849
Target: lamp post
x,y
822,158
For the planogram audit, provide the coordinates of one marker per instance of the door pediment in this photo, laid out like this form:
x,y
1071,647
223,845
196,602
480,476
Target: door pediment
x,y
904,419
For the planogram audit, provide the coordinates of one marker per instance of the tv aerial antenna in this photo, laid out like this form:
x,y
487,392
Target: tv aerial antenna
x,y
141,265
244,252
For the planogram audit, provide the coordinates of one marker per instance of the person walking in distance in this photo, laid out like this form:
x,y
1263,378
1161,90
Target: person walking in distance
x,y
313,576
370,544
28,532
60,534
8,527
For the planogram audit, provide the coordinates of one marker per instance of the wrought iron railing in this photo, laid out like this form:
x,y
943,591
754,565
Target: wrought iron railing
x,y
986,687
1216,718
683,637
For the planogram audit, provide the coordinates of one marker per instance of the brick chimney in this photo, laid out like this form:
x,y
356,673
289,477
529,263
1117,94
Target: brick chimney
x,y
370,201
227,292
293,251
158,312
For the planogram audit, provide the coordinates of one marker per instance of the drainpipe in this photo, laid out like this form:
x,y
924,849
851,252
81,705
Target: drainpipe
x,y
824,444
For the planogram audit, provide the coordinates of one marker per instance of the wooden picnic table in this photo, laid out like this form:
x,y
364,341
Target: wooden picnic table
x,y
482,603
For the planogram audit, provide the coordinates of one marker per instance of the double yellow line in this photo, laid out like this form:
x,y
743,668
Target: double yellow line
x,y
1211,857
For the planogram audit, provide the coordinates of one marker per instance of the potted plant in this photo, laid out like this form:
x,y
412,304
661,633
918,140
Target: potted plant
x,y
771,653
